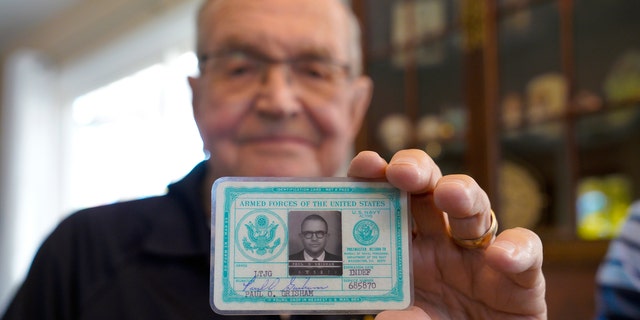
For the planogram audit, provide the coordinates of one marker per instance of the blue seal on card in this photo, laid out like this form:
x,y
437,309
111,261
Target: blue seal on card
x,y
366,232
260,235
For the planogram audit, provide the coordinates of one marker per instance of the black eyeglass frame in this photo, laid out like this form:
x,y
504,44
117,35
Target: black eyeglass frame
x,y
264,59
309,234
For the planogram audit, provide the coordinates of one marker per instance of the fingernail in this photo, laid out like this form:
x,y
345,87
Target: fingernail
x,y
455,182
405,160
507,246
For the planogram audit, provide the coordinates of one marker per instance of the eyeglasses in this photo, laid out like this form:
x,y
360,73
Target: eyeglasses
x,y
318,234
238,70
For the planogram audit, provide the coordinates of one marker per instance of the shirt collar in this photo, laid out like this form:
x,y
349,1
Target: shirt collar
x,y
307,257
179,223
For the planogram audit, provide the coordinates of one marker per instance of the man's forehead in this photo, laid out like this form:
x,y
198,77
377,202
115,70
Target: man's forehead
x,y
331,7
294,25
262,46
313,222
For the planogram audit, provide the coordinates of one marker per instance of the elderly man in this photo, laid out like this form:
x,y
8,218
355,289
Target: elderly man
x,y
280,93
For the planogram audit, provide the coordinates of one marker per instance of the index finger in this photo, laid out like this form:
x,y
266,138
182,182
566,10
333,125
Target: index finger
x,y
367,164
410,170
413,171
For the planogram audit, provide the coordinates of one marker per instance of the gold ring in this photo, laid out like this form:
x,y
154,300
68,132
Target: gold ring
x,y
482,241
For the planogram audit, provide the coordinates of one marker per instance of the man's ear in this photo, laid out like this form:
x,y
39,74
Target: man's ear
x,y
362,91
195,92
196,83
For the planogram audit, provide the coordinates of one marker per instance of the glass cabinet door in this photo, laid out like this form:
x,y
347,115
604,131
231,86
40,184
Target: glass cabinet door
x,y
532,107
606,105
412,54
567,107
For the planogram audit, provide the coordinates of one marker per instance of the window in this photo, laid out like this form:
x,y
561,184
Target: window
x,y
134,136
93,122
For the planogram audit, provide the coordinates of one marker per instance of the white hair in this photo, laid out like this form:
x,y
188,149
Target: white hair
x,y
354,38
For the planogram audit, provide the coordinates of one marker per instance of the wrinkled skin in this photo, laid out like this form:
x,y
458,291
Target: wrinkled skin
x,y
503,281
274,129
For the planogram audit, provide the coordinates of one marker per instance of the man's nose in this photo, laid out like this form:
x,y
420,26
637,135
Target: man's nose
x,y
277,97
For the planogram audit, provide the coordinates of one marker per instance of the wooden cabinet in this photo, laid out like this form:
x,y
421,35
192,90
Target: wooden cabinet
x,y
539,100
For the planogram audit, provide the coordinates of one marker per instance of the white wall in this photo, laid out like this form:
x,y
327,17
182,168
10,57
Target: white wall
x,y
83,49
30,129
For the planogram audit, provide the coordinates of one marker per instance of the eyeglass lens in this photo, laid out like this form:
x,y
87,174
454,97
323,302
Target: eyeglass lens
x,y
310,234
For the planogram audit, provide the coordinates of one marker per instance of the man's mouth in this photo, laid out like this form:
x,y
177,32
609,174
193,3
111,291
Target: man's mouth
x,y
277,140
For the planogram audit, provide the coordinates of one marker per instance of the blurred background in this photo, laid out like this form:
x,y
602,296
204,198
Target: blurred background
x,y
95,109
539,100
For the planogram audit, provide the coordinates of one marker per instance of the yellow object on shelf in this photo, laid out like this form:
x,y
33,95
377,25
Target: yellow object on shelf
x,y
602,206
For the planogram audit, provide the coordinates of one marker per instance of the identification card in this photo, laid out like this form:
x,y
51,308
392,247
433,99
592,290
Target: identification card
x,y
309,246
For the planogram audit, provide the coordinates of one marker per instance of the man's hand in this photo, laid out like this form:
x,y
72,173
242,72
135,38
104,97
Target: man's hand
x,y
502,281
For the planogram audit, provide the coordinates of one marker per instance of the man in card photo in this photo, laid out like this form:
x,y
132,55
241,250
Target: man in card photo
x,y
314,233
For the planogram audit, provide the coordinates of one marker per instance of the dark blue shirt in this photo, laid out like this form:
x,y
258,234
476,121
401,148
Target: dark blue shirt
x,y
142,259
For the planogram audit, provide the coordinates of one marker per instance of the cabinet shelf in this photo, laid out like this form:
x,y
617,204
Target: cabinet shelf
x,y
609,119
580,41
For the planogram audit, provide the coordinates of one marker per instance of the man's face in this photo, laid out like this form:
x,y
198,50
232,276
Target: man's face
x,y
312,232
275,124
